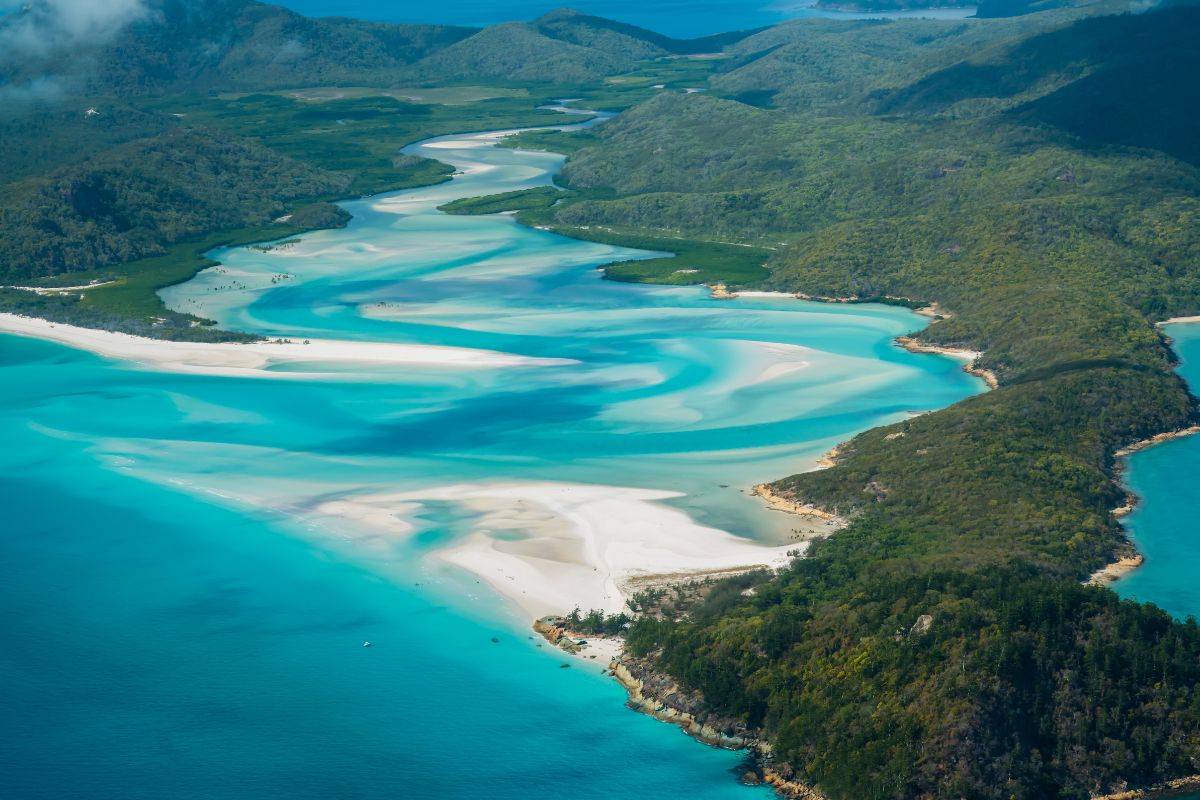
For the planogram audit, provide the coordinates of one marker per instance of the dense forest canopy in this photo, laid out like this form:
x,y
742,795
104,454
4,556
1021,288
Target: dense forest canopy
x,y
1036,176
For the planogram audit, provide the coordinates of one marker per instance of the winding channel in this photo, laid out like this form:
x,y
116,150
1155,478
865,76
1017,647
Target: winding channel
x,y
192,561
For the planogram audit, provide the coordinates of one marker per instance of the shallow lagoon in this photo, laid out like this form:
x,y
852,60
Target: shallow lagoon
x,y
184,622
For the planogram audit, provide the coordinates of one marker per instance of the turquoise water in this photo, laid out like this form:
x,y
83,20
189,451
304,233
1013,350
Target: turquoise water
x,y
1164,525
184,613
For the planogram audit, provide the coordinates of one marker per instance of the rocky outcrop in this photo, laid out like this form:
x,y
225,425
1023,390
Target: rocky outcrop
x,y
791,505
971,368
1116,570
553,632
1173,788
1156,439
658,695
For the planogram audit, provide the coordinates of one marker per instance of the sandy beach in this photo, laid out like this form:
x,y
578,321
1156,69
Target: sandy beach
x,y
1115,571
970,356
254,359
820,521
550,547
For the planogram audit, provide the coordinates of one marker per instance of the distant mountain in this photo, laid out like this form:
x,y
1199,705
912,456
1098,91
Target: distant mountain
x,y
1128,80
867,6
563,46
990,9
520,52
222,44
816,61
198,45
605,34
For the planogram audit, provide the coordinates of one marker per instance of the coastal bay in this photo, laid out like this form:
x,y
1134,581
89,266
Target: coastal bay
x,y
219,507
1163,524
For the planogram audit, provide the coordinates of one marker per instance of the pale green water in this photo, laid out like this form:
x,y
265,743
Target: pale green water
x,y
181,619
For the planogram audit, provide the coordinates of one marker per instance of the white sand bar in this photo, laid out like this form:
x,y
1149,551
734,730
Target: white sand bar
x,y
550,547
252,359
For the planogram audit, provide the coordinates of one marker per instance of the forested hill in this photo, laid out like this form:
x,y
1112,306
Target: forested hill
x,y
1036,176
210,44
228,45
138,128
1017,173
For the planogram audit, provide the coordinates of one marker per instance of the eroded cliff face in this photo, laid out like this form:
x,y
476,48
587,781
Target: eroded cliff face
x,y
661,697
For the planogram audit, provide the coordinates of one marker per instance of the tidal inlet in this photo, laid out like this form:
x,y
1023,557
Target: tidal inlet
x,y
455,427
638,400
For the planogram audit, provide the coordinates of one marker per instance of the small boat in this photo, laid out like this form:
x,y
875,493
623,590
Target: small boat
x,y
366,644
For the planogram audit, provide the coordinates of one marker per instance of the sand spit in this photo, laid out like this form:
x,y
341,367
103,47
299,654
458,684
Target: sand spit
x,y
550,547
50,290
255,358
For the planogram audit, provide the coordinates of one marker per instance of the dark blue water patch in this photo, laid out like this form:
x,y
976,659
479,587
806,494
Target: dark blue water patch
x,y
476,424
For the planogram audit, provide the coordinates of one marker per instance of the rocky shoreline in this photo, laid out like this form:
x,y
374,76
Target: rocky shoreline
x,y
1173,788
792,506
1115,571
913,346
658,696
1156,439
1132,560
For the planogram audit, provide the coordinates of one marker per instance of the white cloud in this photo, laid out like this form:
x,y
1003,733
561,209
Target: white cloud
x,y
45,27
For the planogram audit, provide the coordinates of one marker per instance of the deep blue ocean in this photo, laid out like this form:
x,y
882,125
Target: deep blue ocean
x,y
192,561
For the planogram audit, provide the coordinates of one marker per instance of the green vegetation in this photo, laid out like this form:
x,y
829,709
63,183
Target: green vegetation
x,y
691,261
1038,177
136,199
127,297
229,165
596,622
361,137
549,140
694,260
971,176
521,200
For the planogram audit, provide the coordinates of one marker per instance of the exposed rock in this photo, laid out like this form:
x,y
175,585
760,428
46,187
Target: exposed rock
x,y
1157,439
1172,788
659,696
921,626
553,632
